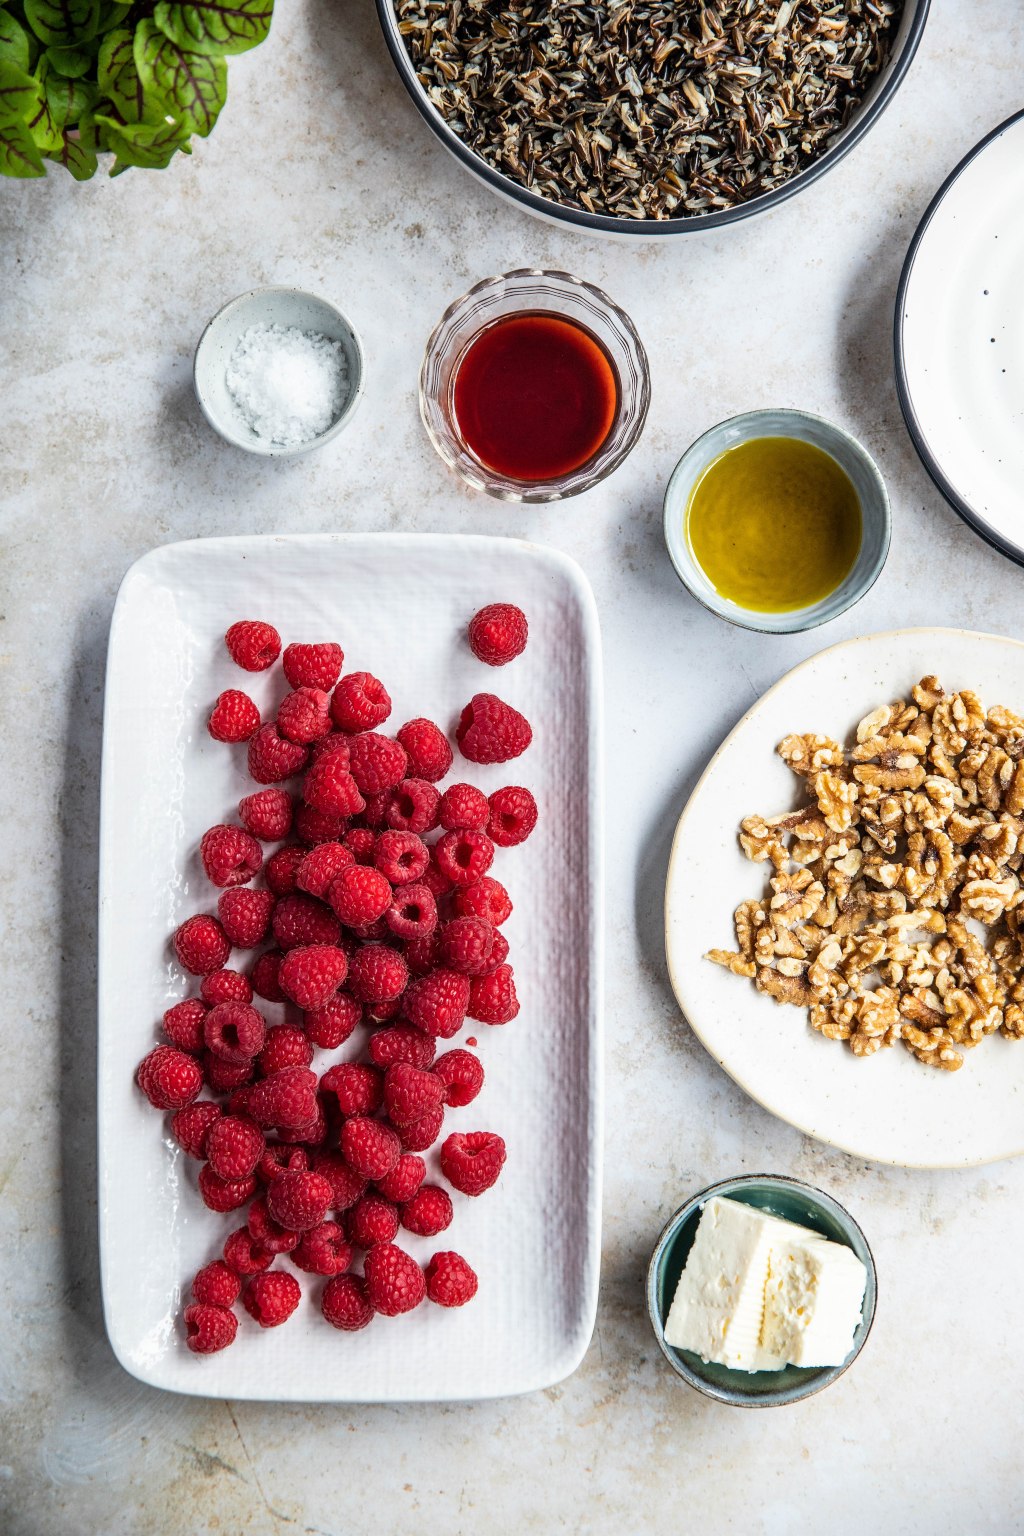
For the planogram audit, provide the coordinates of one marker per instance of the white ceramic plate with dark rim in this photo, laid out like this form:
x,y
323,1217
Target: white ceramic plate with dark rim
x,y
888,1108
959,339
398,604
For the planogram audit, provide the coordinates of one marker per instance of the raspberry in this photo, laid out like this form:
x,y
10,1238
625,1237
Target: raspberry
x,y
377,974
226,1076
401,856
191,1126
413,913
369,1147
423,955
225,987
267,814
201,945
471,1163
299,1200
280,1158
286,1100
359,895
311,975
264,976
372,1220
435,880
361,842
216,1285
499,953
244,1256
377,762
394,1281
300,920
313,666
330,1026
273,758
245,916
437,1003
413,807
490,731
345,1303
358,1089
323,1250
464,856
466,944
427,749
422,1133
492,999
311,1134
347,1186
383,1013
253,644
234,717
462,1074
169,1078
497,634
513,815
209,1328
330,787
234,1031
334,741
315,827
484,898
230,855
303,717
224,1194
409,1094
360,702
233,1147
450,1281
268,1234
463,808
404,1179
321,866
183,1024
282,869
402,1042
285,1046
375,811
272,1298
428,1212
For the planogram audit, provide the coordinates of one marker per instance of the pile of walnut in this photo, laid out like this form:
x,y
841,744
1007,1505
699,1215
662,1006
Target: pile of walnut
x,y
911,832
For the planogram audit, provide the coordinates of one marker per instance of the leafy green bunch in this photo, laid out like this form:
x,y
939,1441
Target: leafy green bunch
x,y
82,77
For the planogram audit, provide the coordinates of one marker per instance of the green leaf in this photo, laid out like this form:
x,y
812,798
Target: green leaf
x,y
189,86
119,78
214,26
21,96
14,45
150,145
63,23
18,154
68,101
72,63
77,156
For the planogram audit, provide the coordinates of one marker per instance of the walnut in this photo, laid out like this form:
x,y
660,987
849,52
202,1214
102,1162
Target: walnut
x,y
795,896
807,754
740,965
784,989
987,900
932,1047
837,800
927,692
894,770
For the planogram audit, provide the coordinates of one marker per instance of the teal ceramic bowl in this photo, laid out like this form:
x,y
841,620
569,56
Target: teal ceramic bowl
x,y
793,1201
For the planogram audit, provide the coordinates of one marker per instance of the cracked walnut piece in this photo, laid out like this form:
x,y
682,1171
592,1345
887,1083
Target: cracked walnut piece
x,y
908,835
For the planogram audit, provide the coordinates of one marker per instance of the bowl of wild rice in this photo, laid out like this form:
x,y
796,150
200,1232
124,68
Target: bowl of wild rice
x,y
651,117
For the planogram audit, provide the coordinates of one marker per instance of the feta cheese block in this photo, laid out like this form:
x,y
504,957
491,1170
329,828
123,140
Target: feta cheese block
x,y
759,1293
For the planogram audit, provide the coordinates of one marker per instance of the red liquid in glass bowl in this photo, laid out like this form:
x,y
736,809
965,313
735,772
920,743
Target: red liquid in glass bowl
x,y
534,396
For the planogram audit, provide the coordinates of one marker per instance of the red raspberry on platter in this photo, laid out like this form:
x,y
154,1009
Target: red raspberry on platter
x,y
462,1074
361,843
401,857
359,895
484,898
216,1285
423,955
310,975
234,1031
375,812
230,855
370,1147
463,807
330,1026
313,666
169,1078
402,1042
345,1303
413,806
466,945
272,757
513,816
335,741
303,716
491,731
422,1133
323,1250
272,1298
267,814
437,1003
183,1024
413,913
243,1256
245,916
253,644
224,1194
377,762
358,1089
450,1281
226,1076
428,1212
404,1179
321,866
300,920
427,749
410,1093
360,702
225,987
472,1162
285,1046
377,974
201,945
282,869
264,976
372,1220
315,827
286,1100
234,717
464,856
299,1200
330,787
233,1147
347,1186
278,1157
492,999
498,634
268,1234
209,1329
191,1126
394,1281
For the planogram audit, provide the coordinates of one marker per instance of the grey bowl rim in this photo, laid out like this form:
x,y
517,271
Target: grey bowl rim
x,y
336,427
670,1230
856,595
599,223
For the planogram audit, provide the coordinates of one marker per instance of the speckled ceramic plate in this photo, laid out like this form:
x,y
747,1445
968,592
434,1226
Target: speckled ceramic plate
x,y
960,339
399,605
888,1108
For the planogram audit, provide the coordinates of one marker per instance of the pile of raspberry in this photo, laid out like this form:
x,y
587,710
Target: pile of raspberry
x,y
375,911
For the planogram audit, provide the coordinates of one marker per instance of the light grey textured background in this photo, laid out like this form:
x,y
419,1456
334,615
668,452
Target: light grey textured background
x,y
321,174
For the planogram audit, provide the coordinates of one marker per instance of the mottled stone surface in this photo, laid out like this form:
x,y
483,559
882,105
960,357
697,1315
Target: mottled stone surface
x,y
321,174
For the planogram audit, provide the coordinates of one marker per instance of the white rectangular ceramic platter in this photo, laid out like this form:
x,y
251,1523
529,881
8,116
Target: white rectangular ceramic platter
x,y
398,604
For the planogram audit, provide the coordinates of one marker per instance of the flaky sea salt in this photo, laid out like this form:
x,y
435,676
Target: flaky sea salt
x,y
289,385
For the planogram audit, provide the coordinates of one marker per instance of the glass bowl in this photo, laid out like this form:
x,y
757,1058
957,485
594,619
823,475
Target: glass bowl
x,y
526,291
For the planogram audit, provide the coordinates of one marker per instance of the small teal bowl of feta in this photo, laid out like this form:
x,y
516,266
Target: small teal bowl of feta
x,y
761,1291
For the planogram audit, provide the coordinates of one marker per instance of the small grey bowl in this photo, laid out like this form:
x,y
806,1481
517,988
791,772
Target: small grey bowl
x,y
793,1201
269,306
847,452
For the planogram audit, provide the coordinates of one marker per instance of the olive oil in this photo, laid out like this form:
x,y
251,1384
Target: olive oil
x,y
774,524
